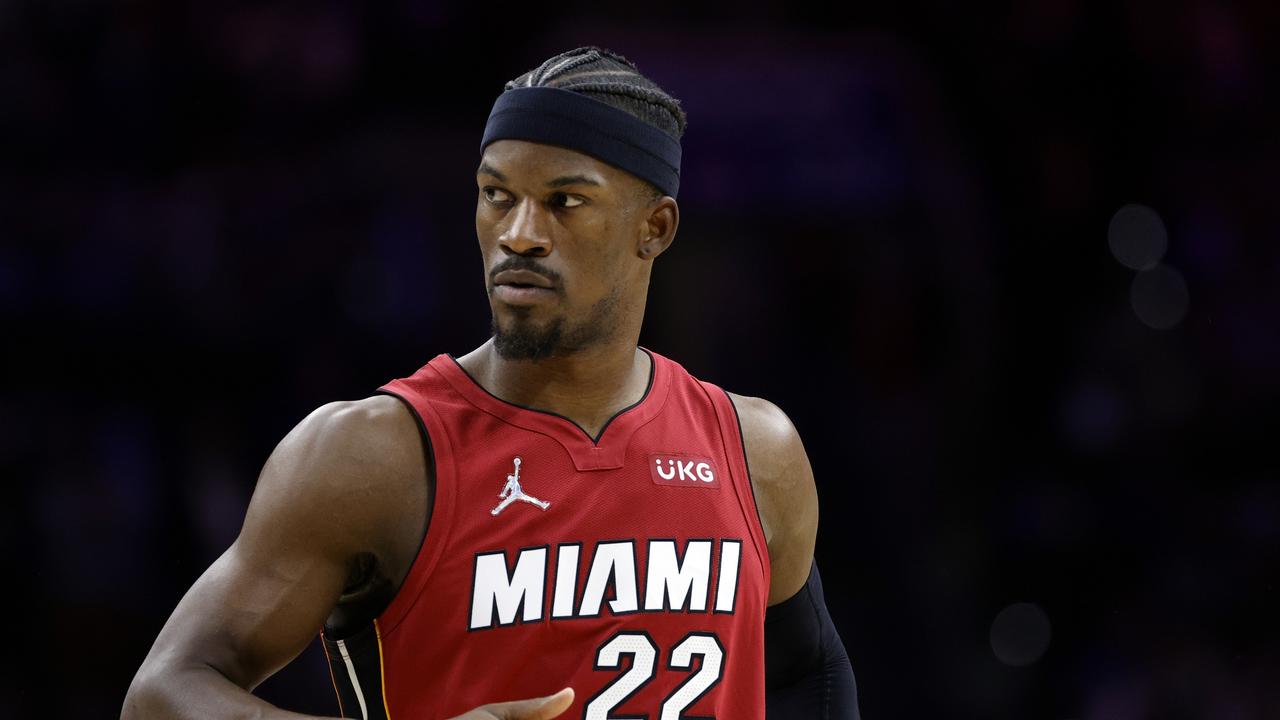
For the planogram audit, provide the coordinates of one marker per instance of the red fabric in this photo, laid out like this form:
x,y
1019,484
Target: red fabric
x,y
436,665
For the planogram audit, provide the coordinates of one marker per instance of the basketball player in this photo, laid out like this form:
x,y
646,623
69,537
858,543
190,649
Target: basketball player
x,y
558,508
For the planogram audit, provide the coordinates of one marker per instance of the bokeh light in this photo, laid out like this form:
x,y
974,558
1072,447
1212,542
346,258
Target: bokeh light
x,y
1137,237
1020,634
1159,297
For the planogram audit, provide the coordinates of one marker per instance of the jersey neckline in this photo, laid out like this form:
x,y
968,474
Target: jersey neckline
x,y
604,451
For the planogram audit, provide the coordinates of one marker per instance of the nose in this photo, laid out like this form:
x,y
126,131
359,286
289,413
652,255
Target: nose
x,y
528,232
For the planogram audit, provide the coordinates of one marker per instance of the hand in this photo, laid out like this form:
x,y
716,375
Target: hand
x,y
542,708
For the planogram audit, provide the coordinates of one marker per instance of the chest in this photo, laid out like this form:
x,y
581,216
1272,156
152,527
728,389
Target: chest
x,y
536,537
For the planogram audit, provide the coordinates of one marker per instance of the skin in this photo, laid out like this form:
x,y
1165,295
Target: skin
x,y
340,506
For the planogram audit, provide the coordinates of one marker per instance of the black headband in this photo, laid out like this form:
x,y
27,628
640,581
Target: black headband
x,y
562,117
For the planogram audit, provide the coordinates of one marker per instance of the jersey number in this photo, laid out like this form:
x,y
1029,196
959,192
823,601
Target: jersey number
x,y
644,654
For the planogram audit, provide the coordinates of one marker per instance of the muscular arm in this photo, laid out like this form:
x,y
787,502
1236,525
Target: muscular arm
x,y
785,492
346,483
807,673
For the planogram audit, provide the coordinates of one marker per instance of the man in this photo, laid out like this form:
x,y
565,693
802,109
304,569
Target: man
x,y
558,508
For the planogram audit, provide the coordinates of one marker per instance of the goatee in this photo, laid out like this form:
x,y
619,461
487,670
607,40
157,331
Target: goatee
x,y
524,340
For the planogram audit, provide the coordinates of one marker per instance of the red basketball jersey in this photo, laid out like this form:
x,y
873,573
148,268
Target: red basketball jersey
x,y
631,567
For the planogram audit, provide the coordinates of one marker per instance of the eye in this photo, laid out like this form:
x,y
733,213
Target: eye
x,y
566,201
494,195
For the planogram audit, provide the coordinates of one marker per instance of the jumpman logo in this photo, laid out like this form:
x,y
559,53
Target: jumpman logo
x,y
512,492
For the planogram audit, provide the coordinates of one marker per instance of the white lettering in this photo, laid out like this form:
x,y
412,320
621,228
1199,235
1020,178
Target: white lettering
x,y
566,581
505,592
684,583
705,473
494,589
727,584
616,560
670,475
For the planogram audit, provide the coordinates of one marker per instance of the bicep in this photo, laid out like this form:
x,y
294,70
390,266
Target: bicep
x,y
250,614
316,506
786,495
791,500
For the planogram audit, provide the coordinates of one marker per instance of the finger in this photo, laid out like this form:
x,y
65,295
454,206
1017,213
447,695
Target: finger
x,y
542,708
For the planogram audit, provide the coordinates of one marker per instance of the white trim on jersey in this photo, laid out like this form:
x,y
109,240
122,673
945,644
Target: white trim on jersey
x,y
355,681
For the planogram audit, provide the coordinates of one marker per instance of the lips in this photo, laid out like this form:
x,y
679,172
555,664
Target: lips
x,y
522,279
523,287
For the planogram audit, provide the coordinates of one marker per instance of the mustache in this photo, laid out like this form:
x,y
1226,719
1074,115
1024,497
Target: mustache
x,y
523,262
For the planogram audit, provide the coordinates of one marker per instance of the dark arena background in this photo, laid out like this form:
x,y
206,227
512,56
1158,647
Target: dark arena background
x,y
1013,273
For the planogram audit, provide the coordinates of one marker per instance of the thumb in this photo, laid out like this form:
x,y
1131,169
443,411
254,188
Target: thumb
x,y
542,708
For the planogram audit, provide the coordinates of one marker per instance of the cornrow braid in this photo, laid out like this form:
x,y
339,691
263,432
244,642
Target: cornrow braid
x,y
610,78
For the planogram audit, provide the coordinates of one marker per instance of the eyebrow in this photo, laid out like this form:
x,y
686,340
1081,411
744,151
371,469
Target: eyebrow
x,y
562,181
485,169
573,180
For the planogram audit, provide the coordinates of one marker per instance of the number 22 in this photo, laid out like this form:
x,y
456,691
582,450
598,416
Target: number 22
x,y
644,655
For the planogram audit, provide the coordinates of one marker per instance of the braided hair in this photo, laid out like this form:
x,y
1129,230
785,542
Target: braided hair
x,y
612,79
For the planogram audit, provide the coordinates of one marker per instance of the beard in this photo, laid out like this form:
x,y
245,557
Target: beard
x,y
522,338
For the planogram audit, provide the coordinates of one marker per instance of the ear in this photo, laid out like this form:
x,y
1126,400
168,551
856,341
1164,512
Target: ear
x,y
662,217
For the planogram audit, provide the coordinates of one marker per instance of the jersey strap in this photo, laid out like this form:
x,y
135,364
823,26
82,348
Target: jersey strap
x,y
355,667
421,392
739,471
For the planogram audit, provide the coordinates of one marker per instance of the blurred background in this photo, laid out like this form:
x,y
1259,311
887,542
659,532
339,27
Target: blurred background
x,y
1012,272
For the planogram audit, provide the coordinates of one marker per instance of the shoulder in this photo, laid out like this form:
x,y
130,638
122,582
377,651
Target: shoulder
x,y
767,429
349,467
366,428
775,453
334,440
786,496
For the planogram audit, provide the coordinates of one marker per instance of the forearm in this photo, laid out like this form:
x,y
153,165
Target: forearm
x,y
825,692
807,671
198,692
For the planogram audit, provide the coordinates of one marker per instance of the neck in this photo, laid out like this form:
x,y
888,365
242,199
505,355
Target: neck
x,y
589,387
